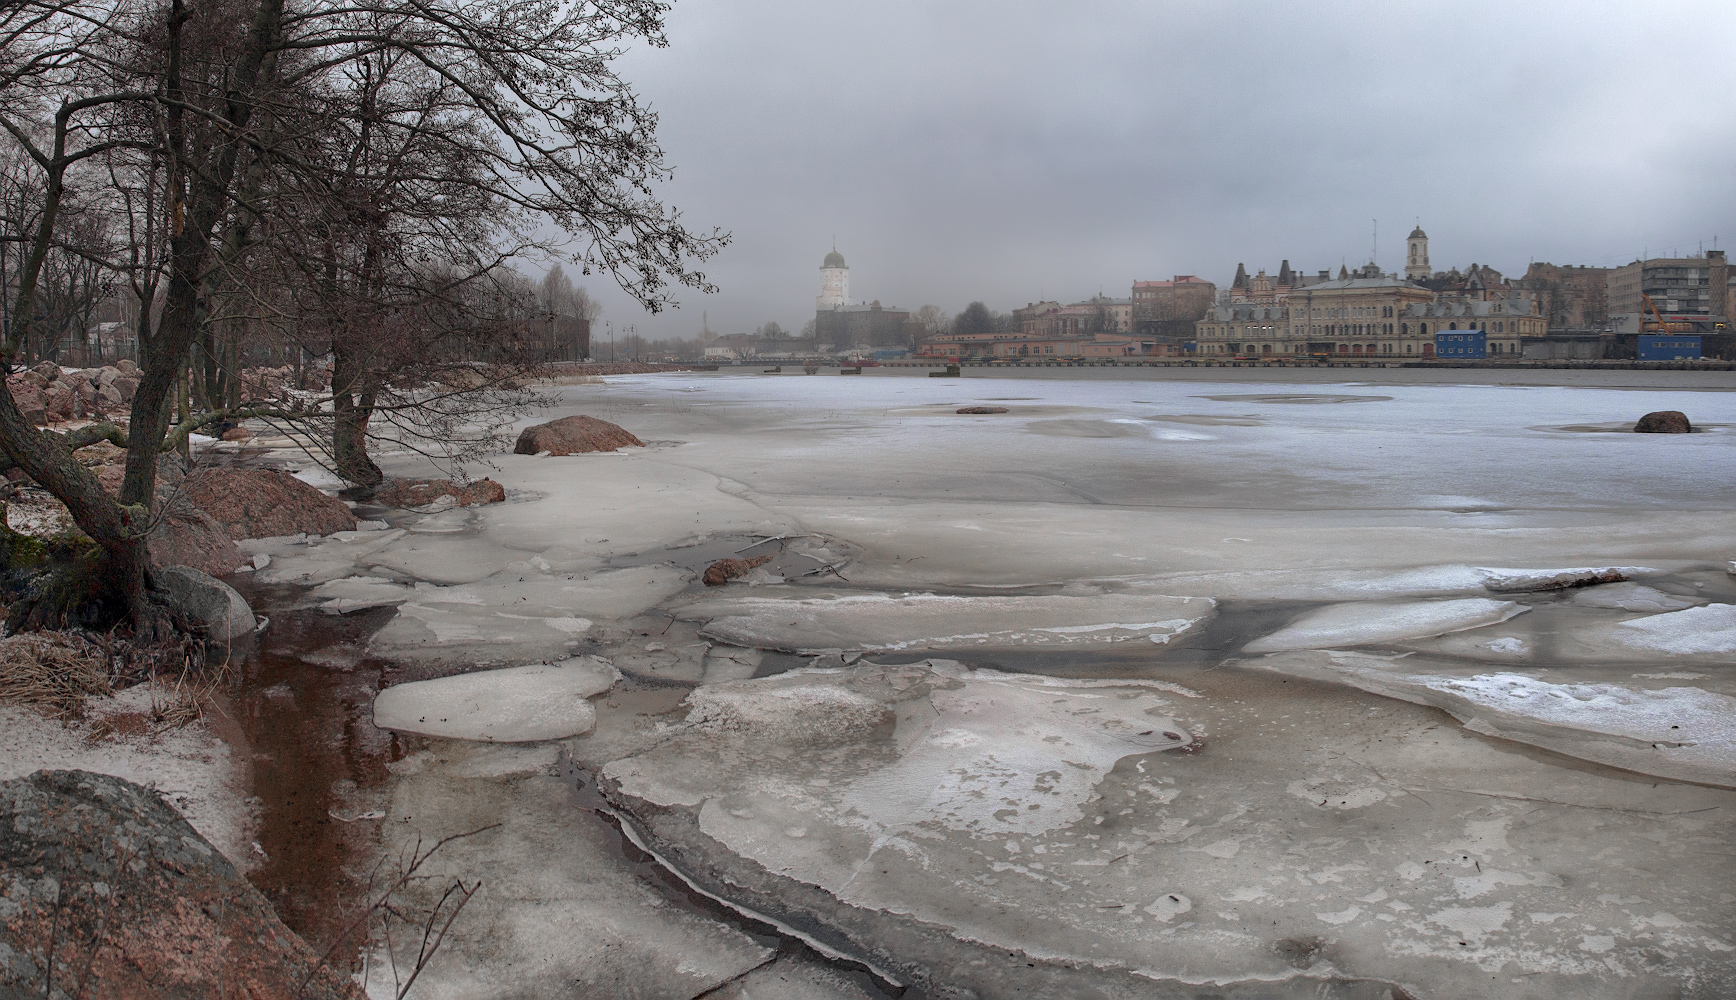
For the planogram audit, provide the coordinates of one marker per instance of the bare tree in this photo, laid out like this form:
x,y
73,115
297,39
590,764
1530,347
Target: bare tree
x,y
231,116
934,319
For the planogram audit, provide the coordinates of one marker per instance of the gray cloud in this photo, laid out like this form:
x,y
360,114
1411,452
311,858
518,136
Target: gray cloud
x,y
1011,150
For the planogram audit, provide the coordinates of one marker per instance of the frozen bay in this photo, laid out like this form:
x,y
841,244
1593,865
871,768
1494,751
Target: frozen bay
x,y
1482,819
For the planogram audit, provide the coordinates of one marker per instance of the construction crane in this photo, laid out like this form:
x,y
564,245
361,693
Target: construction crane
x,y
1657,324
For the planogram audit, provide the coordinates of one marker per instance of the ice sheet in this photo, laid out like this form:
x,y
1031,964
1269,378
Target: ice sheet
x,y
1677,732
520,615
988,754
1240,864
1695,631
510,705
1630,597
878,621
1372,622
561,912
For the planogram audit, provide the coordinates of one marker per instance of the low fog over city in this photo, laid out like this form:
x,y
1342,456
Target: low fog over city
x,y
779,500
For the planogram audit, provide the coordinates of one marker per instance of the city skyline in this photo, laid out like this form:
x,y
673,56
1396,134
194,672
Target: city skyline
x,y
951,161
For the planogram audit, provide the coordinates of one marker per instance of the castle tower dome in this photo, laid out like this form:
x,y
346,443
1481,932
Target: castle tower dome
x,y
834,282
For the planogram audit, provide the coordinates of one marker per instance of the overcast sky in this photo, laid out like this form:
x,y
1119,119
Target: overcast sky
x,y
1011,151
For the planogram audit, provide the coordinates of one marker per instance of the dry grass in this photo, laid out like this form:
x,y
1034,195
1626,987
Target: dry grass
x,y
53,672
182,704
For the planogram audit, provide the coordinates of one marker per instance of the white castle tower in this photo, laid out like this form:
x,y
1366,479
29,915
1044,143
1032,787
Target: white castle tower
x,y
834,282
1416,258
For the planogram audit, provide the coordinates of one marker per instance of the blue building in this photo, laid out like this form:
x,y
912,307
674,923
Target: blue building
x,y
1669,347
1462,344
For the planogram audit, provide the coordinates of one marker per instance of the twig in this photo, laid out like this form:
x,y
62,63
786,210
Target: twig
x,y
384,905
773,538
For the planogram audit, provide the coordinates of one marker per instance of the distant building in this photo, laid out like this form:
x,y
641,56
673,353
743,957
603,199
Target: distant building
x,y
1352,315
1465,344
1169,309
1099,314
1369,311
1505,320
1571,297
1694,292
843,325
1033,320
1668,347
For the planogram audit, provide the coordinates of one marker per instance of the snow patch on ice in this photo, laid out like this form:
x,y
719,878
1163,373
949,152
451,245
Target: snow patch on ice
x,y
1630,597
1675,714
513,705
882,621
932,748
1711,629
1363,623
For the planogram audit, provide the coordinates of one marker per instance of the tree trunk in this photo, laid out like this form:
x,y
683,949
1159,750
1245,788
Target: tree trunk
x,y
352,405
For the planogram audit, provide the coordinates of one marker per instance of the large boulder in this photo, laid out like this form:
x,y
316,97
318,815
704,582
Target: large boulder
x,y
260,503
48,370
209,605
131,902
1664,422
60,401
420,492
572,436
184,535
29,399
126,367
126,385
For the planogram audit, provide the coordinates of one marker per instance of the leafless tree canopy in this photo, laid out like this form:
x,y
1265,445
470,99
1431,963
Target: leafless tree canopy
x,y
338,186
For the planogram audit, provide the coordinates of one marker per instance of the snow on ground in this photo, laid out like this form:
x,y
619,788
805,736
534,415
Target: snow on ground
x,y
203,777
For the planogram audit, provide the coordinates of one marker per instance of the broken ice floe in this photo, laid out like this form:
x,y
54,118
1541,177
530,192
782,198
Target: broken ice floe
x,y
511,705
524,615
880,621
1363,623
1696,631
1684,733
1516,581
1630,597
932,745
354,593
